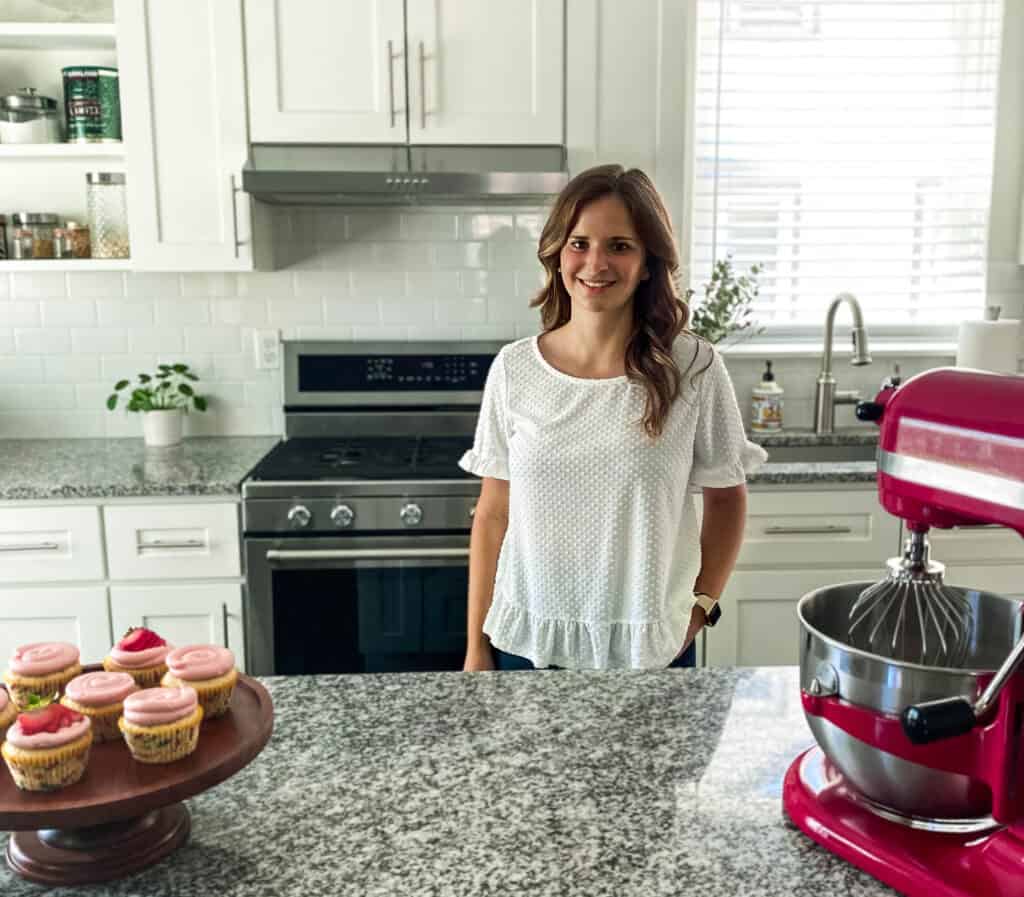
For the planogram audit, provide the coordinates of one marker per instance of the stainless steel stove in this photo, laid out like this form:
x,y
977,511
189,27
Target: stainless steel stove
x,y
356,527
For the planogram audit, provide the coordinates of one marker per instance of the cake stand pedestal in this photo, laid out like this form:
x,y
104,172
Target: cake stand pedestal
x,y
123,815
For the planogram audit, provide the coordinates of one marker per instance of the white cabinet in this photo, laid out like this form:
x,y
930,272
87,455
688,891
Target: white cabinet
x,y
207,614
50,544
990,558
326,71
182,75
68,614
354,71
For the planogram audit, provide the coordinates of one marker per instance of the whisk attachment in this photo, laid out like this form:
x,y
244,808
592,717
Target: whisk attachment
x,y
911,615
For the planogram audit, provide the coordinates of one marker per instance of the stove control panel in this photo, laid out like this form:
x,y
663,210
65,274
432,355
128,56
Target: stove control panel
x,y
358,514
417,373
343,516
299,517
411,514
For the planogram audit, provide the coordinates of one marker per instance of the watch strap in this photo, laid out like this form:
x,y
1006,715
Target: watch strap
x,y
710,606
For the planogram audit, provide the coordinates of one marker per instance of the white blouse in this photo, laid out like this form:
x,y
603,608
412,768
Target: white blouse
x,y
597,566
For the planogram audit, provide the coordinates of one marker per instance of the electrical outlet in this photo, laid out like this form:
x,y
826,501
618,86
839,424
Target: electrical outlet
x,y
267,345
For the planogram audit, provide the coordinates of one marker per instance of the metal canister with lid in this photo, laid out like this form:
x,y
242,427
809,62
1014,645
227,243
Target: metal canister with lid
x,y
92,104
27,117
33,235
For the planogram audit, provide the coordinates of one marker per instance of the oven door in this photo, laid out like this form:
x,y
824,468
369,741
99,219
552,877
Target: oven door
x,y
359,604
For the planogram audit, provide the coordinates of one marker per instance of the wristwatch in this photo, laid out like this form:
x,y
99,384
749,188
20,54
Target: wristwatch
x,y
710,607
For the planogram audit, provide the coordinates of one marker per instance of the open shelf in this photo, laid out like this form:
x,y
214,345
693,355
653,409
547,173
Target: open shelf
x,y
40,36
37,265
61,150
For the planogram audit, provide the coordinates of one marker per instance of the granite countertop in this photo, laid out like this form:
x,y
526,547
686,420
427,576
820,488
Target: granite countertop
x,y
821,472
117,468
625,784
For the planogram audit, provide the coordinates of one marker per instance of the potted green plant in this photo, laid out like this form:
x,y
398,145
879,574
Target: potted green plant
x,y
725,310
163,398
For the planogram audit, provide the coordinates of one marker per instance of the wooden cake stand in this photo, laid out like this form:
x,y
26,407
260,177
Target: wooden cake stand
x,y
123,816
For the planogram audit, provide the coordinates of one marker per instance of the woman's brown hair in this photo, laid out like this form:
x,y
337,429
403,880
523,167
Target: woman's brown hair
x,y
659,313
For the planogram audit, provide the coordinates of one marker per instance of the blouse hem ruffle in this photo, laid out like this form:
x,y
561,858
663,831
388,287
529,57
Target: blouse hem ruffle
x,y
483,467
585,644
751,458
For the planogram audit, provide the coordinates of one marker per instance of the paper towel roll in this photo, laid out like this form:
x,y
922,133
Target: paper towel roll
x,y
989,346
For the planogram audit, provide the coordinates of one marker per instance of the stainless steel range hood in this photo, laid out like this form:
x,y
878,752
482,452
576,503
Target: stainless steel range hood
x,y
347,174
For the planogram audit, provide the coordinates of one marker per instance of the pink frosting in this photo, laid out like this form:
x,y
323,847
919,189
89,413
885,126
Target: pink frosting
x,y
100,689
195,662
43,658
64,735
137,660
156,706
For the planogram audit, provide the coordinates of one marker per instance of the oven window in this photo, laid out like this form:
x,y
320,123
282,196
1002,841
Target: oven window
x,y
378,620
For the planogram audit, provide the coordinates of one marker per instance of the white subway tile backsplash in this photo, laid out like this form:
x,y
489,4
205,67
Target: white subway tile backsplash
x,y
5,286
435,332
374,225
75,313
267,283
212,339
350,311
328,332
20,314
235,367
25,396
489,332
95,284
182,311
152,286
251,311
286,312
410,311
321,283
488,283
6,340
486,227
92,396
263,393
99,340
206,285
164,340
430,226
461,311
433,284
529,226
125,312
514,309
380,331
511,256
42,341
460,255
116,367
71,368
46,425
22,369
41,285
378,284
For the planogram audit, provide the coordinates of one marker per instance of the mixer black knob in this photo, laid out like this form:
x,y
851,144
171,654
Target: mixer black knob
x,y
869,411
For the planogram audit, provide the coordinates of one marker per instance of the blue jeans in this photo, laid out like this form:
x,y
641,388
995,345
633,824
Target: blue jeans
x,y
503,661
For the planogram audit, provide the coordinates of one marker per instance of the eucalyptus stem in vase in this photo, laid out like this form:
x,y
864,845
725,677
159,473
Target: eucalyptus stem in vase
x,y
725,310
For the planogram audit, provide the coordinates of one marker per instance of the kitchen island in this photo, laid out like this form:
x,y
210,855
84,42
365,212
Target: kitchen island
x,y
509,783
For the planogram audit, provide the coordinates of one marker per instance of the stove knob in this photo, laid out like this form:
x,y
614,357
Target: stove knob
x,y
411,514
299,517
343,515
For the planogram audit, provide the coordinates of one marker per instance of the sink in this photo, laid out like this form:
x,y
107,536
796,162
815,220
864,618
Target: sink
x,y
816,454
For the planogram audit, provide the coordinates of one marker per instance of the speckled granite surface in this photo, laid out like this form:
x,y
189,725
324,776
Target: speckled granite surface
x,y
114,468
540,784
823,473
865,435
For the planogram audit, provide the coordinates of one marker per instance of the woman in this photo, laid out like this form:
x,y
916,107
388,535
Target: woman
x,y
587,549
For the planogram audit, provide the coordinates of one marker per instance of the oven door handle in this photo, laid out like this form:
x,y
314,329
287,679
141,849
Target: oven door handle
x,y
363,554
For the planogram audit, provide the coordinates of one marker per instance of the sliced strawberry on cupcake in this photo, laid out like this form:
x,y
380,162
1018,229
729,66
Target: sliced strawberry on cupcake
x,y
141,653
48,746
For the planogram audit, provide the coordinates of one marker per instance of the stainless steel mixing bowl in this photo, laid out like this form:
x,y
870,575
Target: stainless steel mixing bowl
x,y
889,686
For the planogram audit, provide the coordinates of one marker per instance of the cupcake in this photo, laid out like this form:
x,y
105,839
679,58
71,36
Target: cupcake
x,y
209,669
141,654
100,696
42,668
161,724
47,747
7,712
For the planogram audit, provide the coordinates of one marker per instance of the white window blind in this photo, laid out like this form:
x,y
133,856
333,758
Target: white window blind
x,y
847,145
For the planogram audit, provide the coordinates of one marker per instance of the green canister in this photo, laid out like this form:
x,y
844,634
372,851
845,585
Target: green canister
x,y
92,104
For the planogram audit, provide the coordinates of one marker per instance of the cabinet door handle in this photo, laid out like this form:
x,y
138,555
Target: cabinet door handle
x,y
224,620
31,546
391,82
160,544
234,217
821,530
423,87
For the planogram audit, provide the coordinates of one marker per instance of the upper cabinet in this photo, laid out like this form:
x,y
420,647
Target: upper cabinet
x,y
422,71
183,105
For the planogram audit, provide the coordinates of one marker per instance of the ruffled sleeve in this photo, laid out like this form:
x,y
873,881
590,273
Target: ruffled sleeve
x,y
722,454
489,455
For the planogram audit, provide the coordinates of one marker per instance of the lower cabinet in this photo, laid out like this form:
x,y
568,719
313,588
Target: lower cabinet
x,y
76,614
183,614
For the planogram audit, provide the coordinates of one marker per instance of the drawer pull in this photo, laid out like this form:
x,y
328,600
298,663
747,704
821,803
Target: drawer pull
x,y
827,529
224,619
28,546
161,544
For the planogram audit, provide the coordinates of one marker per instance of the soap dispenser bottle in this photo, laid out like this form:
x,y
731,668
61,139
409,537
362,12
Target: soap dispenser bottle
x,y
766,408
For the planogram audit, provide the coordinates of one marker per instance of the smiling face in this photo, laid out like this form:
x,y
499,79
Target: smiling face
x,y
602,261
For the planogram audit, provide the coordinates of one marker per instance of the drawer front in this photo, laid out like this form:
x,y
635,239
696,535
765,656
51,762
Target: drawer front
x,y
817,529
50,544
172,541
66,614
977,545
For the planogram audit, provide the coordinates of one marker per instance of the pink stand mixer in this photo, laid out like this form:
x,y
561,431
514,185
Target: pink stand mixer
x,y
912,688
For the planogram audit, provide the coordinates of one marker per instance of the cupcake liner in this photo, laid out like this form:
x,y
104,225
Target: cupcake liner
x,y
163,744
104,719
21,688
145,677
49,769
214,694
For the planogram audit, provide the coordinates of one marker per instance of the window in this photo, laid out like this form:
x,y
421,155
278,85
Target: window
x,y
847,145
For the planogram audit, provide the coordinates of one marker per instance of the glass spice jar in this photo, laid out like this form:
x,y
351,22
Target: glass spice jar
x,y
21,243
36,234
78,237
61,244
3,236
108,214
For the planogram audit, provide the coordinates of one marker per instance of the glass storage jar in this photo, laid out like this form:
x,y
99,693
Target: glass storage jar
x,y
26,117
34,235
78,237
108,214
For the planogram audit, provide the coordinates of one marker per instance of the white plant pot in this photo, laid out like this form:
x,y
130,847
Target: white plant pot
x,y
162,427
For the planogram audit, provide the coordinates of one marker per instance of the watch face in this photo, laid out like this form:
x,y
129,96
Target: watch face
x,y
714,614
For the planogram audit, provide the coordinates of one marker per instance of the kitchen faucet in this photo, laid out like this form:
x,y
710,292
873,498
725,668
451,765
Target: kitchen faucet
x,y
827,396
